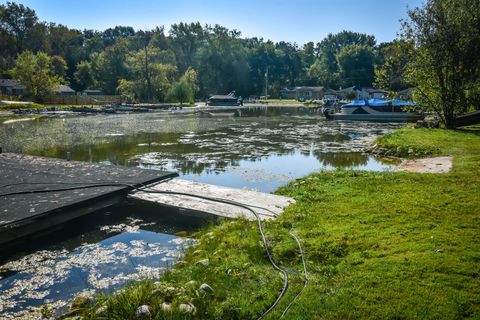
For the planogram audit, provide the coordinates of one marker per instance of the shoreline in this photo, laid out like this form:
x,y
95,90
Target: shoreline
x,y
343,252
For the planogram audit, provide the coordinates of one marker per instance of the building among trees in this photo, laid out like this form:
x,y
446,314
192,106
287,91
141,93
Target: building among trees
x,y
11,87
302,93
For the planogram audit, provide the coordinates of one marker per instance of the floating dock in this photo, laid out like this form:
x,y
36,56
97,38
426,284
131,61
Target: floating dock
x,y
37,194
169,193
22,215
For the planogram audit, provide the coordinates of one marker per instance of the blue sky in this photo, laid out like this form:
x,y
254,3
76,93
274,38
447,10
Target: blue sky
x,y
297,21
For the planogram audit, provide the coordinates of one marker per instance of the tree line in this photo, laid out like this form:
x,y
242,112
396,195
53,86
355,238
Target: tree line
x,y
147,65
437,52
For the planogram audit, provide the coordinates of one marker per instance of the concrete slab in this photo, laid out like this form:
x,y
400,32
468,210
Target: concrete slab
x,y
427,165
271,205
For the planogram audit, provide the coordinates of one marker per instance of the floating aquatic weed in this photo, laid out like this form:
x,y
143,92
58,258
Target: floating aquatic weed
x,y
100,266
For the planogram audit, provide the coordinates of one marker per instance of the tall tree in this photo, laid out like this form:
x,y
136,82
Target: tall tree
x,y
325,68
112,35
223,62
35,72
356,65
84,75
111,66
17,20
184,89
59,66
446,67
187,39
390,73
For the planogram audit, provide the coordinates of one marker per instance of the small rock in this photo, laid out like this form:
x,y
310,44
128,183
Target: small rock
x,y
101,310
143,312
204,262
187,308
180,263
156,292
191,283
205,288
166,306
81,300
170,289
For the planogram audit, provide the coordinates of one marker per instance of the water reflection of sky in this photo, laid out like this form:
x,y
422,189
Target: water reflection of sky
x,y
269,173
56,276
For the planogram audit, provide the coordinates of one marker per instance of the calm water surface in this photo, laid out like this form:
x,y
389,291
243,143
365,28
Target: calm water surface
x,y
256,148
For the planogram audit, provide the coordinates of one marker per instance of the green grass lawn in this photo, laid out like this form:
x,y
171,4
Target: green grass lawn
x,y
378,246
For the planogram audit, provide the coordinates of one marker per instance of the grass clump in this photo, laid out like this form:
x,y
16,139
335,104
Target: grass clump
x,y
386,245
14,106
410,143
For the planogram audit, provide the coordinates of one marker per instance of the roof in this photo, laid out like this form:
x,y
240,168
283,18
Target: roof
x,y
219,96
11,83
376,91
346,89
309,88
286,89
64,88
330,91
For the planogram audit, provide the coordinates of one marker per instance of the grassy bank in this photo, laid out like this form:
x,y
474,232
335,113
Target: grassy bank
x,y
17,106
377,245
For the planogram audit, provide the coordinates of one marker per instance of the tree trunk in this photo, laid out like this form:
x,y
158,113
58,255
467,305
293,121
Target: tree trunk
x,y
450,122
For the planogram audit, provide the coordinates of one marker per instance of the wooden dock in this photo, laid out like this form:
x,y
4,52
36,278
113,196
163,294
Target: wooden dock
x,y
266,205
26,214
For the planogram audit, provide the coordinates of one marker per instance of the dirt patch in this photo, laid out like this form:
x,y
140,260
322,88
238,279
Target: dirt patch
x,y
427,165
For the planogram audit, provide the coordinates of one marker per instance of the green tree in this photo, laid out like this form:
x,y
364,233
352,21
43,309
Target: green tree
x,y
150,78
446,67
308,56
180,91
59,66
319,71
35,72
326,69
223,62
112,35
390,74
127,90
186,40
111,66
84,75
17,20
162,77
356,65
184,90
190,76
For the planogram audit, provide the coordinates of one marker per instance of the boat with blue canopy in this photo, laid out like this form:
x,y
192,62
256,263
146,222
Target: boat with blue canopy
x,y
394,110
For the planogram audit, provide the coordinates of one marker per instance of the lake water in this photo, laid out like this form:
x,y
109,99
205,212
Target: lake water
x,y
255,148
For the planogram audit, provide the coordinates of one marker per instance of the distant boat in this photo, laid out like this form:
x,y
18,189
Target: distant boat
x,y
376,110
224,100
